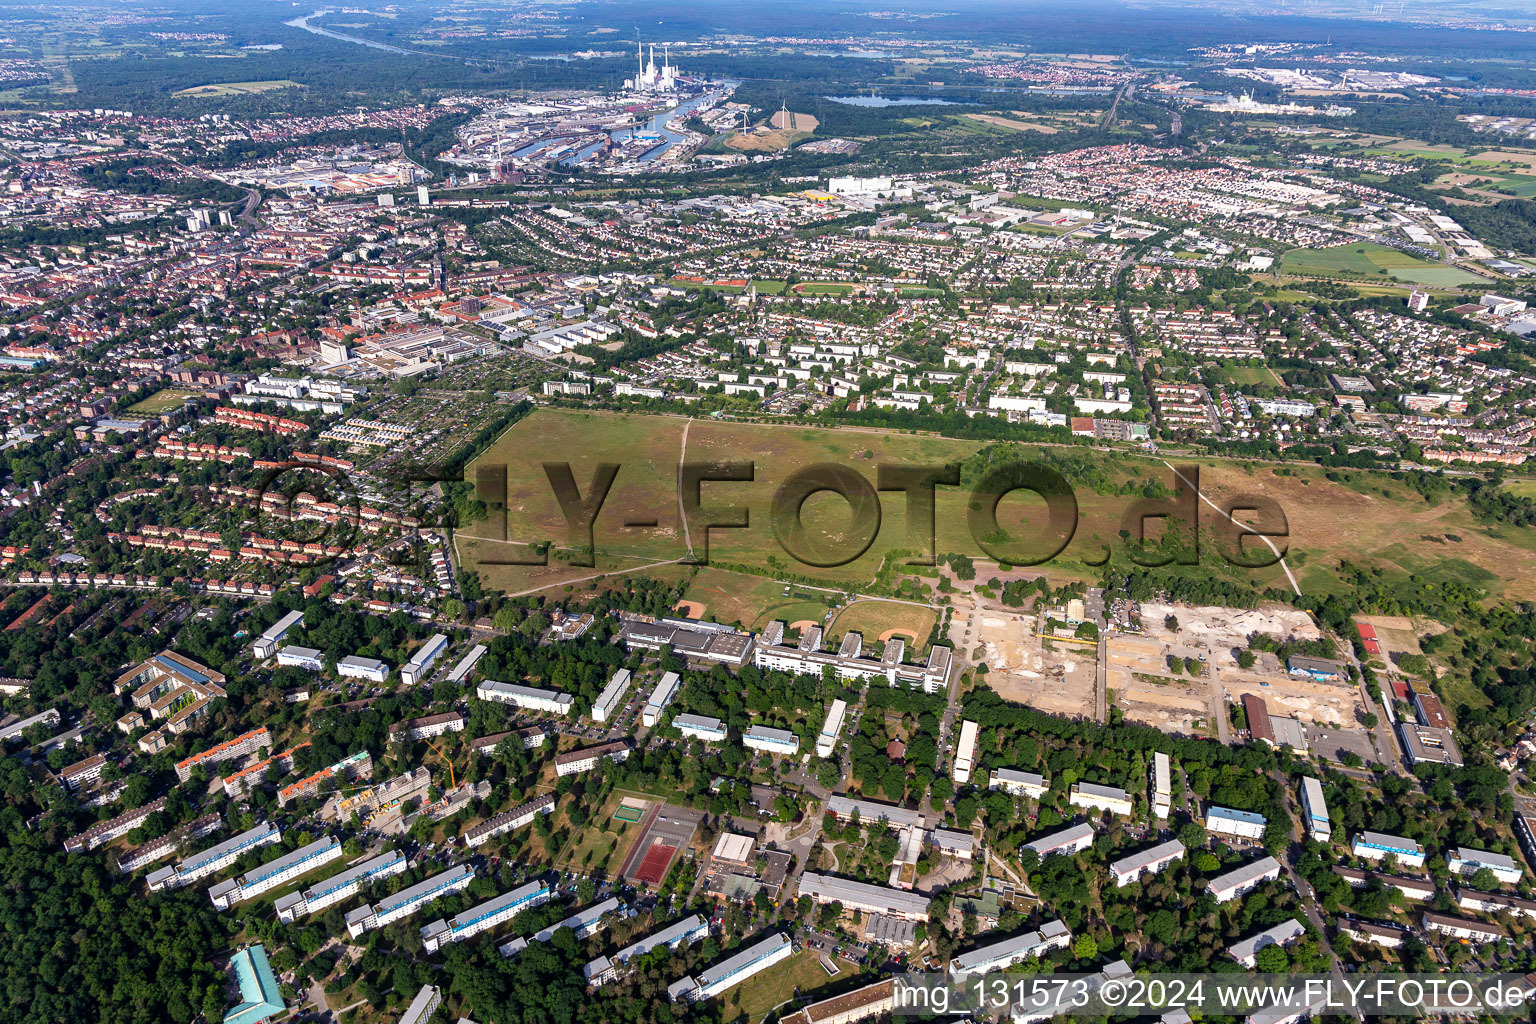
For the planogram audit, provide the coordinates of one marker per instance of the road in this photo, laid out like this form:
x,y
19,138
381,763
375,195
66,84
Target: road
x,y
1384,736
1101,680
1288,861
247,215
1219,708
682,513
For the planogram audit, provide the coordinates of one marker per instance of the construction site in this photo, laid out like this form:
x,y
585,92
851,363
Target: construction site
x,y
1055,675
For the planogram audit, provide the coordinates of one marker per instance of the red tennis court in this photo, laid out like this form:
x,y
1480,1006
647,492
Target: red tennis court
x,y
653,868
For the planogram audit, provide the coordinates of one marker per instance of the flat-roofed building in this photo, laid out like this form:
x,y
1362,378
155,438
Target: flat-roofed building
x,y
215,858
701,641
484,916
466,664
733,849
1162,785
807,658
1019,783
965,752
1320,669
723,976
1380,846
274,873
826,739
415,670
1002,955
1069,841
1243,879
844,808
428,999
574,762
307,658
1100,798
612,696
585,923
1430,711
864,897
528,698
371,669
1426,745
506,821
710,730
1467,862
779,742
1225,821
408,901
1314,810
686,932
663,695
265,645
1146,862
1245,951
330,891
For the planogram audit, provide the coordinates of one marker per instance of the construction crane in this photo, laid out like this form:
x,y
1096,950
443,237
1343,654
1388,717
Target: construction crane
x,y
452,781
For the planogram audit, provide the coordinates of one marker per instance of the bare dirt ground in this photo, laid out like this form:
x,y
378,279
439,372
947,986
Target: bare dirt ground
x,y
1058,680
1224,628
1173,704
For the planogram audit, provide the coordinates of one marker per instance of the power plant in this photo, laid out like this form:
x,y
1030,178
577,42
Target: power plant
x,y
647,77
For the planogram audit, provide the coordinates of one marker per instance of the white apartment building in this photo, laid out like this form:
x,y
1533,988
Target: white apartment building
x,y
965,753
612,696
528,698
1011,780
1104,798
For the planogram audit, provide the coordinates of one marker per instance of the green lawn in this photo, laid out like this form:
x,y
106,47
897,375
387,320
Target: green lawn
x,y
163,401
801,973
1366,259
1249,375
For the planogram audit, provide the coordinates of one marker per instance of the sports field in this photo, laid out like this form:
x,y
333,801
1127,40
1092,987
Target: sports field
x,y
878,621
754,601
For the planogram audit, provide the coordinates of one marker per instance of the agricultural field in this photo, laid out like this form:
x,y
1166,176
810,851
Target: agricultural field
x,y
1368,519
